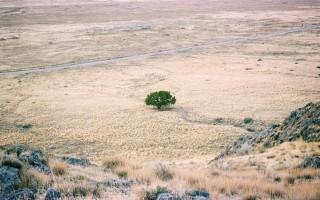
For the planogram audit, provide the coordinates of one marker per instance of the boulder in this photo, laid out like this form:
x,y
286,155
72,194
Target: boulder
x,y
37,160
25,194
118,183
77,161
9,179
168,196
52,194
311,162
196,195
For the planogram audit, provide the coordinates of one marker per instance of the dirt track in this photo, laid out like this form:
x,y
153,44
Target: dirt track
x,y
161,52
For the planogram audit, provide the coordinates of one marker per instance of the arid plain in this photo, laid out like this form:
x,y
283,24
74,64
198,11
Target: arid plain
x,y
99,110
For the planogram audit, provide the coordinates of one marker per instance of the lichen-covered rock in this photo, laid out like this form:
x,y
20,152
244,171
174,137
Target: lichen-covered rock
x,y
52,194
77,161
25,194
9,179
196,195
168,196
118,183
311,162
37,160
302,123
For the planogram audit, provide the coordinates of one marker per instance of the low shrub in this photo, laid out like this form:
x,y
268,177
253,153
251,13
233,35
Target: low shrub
x,y
163,173
247,120
112,162
153,194
58,167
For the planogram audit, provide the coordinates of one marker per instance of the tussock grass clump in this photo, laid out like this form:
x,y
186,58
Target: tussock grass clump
x,y
290,180
163,173
122,173
261,149
112,162
35,180
58,167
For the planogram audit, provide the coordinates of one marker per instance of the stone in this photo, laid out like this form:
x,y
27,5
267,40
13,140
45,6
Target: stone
x,y
196,195
311,162
9,179
118,183
52,194
80,162
37,160
25,194
168,196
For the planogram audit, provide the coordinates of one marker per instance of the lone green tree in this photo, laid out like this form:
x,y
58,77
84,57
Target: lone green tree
x,y
160,99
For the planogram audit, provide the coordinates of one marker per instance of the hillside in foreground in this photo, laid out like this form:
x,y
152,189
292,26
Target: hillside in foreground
x,y
285,170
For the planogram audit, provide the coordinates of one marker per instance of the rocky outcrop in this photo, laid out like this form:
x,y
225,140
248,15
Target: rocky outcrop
x,y
37,160
78,161
9,179
311,162
52,194
118,183
188,195
302,123
25,194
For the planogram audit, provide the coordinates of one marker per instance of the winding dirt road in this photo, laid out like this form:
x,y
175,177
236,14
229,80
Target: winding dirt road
x,y
161,52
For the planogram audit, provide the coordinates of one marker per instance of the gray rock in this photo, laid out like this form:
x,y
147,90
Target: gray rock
x,y
302,123
311,162
52,194
80,162
168,196
37,160
118,183
10,150
9,179
196,195
20,149
25,194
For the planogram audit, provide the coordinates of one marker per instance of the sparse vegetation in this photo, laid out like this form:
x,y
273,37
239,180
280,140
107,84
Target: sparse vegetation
x,y
247,120
160,99
112,162
11,162
153,194
58,167
163,173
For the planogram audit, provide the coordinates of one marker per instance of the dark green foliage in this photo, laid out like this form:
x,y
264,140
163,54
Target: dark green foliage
x,y
24,126
160,99
80,191
10,162
247,120
153,194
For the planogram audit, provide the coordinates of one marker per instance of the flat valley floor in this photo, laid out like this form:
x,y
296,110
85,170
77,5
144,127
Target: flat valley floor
x,y
99,110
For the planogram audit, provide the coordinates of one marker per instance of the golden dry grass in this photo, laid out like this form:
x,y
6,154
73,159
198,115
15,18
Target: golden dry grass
x,y
58,167
99,112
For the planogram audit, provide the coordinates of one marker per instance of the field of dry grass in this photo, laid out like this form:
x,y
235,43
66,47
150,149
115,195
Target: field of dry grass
x,y
98,112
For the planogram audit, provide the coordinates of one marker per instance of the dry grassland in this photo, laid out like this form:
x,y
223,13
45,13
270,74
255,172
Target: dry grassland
x,y
99,111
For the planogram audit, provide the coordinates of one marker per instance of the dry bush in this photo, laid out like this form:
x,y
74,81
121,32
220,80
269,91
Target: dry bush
x,y
163,173
122,172
112,162
142,175
35,180
306,190
58,167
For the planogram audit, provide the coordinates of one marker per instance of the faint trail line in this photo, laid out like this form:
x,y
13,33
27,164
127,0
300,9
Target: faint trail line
x,y
161,52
